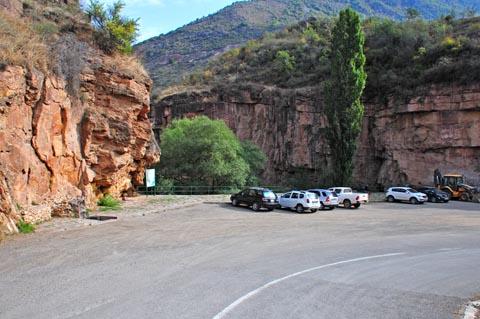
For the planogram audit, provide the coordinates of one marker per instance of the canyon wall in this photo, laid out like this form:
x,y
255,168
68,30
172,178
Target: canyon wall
x,y
62,139
400,142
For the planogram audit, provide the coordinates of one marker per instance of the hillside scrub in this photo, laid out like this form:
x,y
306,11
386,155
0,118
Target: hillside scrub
x,y
20,44
171,57
400,57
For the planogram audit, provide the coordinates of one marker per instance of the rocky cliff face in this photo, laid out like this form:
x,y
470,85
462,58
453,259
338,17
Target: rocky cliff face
x,y
400,142
59,143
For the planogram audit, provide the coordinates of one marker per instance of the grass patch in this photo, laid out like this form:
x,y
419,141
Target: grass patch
x,y
20,44
107,202
25,228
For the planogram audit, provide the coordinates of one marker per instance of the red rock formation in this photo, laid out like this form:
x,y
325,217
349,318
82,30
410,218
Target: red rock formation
x,y
400,143
55,147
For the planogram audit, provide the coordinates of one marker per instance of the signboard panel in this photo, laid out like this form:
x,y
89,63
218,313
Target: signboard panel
x,y
150,177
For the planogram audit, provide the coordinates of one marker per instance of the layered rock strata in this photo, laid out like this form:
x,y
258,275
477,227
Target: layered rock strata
x,y
58,144
400,142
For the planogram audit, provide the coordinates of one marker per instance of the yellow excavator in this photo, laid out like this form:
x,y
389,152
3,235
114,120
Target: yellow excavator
x,y
454,186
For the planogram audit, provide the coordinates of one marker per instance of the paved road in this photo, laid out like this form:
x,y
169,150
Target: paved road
x,y
218,261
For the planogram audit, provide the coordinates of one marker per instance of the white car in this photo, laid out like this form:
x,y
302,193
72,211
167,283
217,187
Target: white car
x,y
405,194
300,201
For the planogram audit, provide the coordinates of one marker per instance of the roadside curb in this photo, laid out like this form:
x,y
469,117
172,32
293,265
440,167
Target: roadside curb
x,y
472,311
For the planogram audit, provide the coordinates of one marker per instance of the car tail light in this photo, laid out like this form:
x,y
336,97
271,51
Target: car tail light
x,y
328,199
357,198
308,200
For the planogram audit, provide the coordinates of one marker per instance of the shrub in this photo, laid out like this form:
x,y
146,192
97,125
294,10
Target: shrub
x,y
25,228
108,202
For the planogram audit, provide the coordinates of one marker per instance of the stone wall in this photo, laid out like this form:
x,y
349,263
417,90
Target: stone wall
x,y
400,142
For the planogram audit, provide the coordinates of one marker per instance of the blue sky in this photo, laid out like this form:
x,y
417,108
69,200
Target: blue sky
x,y
162,16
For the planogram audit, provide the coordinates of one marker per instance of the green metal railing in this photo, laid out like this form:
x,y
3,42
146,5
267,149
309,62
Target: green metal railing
x,y
198,190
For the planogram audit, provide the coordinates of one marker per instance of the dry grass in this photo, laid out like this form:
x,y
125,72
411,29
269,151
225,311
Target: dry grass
x,y
178,89
127,64
21,45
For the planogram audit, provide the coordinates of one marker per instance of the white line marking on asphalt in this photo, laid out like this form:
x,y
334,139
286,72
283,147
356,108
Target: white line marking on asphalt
x,y
242,299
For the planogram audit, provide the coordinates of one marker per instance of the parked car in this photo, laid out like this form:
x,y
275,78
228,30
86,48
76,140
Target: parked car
x,y
327,198
256,197
434,195
405,194
348,198
300,201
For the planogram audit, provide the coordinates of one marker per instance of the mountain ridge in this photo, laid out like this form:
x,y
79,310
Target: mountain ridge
x,y
170,57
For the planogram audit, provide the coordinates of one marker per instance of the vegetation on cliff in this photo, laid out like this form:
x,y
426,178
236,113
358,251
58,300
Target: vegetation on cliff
x,y
171,57
343,91
400,57
52,36
204,152
112,30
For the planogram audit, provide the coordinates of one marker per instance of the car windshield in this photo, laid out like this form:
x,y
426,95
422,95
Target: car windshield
x,y
269,194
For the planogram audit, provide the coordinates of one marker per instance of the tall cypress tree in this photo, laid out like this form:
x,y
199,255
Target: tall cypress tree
x,y
342,93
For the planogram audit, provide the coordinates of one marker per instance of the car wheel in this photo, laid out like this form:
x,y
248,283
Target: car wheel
x,y
413,200
434,199
449,193
256,207
390,199
356,205
347,203
322,207
299,209
234,202
463,197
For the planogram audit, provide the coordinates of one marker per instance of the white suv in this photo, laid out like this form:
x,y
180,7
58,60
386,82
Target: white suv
x,y
300,200
405,194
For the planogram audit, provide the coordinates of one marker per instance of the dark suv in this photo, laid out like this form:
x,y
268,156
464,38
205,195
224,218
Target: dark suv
x,y
256,197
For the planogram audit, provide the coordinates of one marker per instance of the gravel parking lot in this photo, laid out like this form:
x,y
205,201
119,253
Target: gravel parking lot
x,y
180,257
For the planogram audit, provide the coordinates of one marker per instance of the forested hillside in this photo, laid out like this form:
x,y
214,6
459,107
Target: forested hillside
x,y
401,57
169,58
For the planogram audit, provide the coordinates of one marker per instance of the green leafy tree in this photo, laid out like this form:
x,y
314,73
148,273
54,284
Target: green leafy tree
x,y
284,62
255,160
113,31
412,13
201,151
343,90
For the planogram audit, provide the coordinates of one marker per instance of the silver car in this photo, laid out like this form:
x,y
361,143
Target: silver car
x,y
327,198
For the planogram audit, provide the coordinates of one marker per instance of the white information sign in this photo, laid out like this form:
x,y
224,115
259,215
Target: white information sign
x,y
150,177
